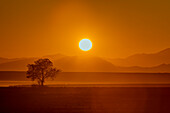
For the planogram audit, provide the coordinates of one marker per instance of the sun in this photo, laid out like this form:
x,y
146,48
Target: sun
x,y
85,44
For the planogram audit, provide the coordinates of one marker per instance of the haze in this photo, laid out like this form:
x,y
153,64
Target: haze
x,y
117,28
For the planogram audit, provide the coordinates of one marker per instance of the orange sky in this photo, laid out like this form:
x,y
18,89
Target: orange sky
x,y
116,28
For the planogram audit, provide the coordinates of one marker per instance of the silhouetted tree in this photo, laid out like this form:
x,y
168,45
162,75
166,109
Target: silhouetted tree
x,y
41,70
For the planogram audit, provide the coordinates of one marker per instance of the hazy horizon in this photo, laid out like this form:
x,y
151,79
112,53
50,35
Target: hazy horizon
x,y
84,55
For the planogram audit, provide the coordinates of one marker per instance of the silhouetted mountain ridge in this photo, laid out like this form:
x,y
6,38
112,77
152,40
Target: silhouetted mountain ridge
x,y
4,60
16,65
144,60
55,56
83,64
155,62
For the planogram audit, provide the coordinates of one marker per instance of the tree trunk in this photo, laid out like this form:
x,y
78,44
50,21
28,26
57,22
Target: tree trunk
x,y
42,82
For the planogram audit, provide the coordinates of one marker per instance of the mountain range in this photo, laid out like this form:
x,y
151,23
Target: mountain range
x,y
153,63
144,60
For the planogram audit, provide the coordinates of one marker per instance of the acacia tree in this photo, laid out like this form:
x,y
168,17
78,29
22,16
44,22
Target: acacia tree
x,y
41,70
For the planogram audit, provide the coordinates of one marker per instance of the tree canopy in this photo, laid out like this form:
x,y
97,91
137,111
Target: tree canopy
x,y
41,70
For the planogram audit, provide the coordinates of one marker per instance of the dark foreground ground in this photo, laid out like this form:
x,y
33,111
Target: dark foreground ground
x,y
85,100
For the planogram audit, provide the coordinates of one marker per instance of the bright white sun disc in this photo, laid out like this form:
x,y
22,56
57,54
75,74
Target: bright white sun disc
x,y
85,44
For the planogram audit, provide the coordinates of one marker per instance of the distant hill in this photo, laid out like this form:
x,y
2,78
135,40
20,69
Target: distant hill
x,y
144,60
17,65
4,60
152,63
20,64
84,64
65,63
97,64
54,57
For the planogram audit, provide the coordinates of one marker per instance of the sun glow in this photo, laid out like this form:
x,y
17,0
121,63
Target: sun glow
x,y
85,44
